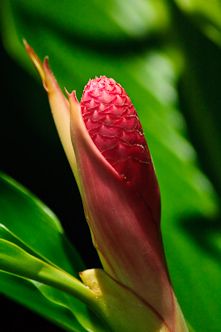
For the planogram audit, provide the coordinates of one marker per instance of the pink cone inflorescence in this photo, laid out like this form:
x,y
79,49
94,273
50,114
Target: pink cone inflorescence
x,y
114,127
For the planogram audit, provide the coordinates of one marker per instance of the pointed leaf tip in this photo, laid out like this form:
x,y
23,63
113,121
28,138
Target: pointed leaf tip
x,y
35,60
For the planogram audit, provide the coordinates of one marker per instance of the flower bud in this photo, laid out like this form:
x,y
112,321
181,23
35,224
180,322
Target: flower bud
x,y
105,145
114,126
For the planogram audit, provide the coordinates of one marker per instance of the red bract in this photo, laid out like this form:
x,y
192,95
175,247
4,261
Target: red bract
x,y
122,205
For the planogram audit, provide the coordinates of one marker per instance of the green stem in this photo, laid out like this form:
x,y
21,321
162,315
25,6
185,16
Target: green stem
x,y
15,260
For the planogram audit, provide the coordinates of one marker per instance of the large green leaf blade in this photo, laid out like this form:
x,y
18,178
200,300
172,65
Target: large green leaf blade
x,y
45,239
94,21
32,222
26,293
199,286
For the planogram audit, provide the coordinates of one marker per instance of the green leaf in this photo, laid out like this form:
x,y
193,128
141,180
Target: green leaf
x,y
43,238
206,15
94,20
16,261
102,293
107,298
36,226
26,292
